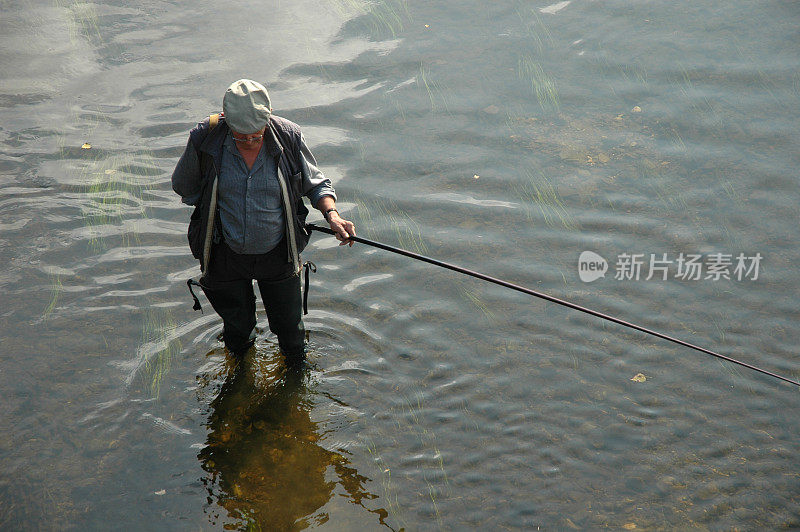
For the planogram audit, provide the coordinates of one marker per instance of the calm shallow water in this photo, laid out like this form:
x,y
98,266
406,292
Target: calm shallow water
x,y
506,137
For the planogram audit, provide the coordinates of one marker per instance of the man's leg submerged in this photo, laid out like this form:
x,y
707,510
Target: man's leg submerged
x,y
284,305
235,302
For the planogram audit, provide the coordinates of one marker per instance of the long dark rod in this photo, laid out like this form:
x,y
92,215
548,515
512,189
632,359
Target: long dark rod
x,y
547,297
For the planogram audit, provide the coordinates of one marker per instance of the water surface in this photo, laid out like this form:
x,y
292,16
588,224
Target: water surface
x,y
506,137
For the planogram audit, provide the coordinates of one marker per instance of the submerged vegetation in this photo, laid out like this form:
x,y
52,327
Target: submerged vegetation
x,y
160,346
373,215
114,197
658,182
388,487
539,36
436,95
412,416
540,197
475,300
55,291
82,21
542,85
382,19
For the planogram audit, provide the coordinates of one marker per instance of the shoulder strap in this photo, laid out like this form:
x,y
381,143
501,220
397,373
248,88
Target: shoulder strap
x,y
198,135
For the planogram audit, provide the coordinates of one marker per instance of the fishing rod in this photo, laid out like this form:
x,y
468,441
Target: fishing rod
x,y
552,299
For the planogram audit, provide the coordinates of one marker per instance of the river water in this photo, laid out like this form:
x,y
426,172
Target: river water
x,y
508,137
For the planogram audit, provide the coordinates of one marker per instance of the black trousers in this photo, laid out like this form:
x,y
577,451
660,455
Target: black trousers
x,y
228,285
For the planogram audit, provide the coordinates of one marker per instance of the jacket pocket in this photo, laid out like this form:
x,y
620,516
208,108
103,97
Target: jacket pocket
x,y
297,185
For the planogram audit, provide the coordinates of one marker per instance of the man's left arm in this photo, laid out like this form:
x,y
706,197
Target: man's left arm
x,y
344,228
320,192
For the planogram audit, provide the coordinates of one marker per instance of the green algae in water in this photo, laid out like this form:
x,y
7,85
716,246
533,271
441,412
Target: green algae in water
x,y
536,189
542,85
56,288
382,19
160,346
406,230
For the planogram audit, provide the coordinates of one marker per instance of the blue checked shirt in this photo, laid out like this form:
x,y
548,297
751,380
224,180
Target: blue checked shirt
x,y
249,201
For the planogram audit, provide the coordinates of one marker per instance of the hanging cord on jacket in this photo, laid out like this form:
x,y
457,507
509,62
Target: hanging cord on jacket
x,y
190,283
307,266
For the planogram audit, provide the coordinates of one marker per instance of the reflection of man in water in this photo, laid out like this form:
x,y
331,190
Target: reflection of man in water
x,y
264,463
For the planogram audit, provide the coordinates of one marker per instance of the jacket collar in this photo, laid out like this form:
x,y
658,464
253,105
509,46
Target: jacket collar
x,y
273,145
214,140
213,144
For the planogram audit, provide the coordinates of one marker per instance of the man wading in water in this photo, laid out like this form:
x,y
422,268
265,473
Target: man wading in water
x,y
245,172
